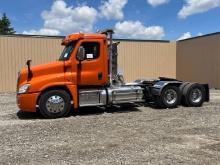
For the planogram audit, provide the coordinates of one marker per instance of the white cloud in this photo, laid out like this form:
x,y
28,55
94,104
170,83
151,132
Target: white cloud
x,y
63,18
136,30
194,7
51,32
185,36
155,3
113,9
69,19
199,34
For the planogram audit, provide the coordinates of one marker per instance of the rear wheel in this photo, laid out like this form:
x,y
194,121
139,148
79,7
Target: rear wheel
x,y
55,104
194,95
169,98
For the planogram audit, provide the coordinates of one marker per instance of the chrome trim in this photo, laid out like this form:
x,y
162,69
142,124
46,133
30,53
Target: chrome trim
x,y
196,95
55,104
18,79
170,96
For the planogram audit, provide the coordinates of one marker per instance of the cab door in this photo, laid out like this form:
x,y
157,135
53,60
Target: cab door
x,y
93,70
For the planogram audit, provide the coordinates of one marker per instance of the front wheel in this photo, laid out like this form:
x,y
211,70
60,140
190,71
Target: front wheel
x,y
55,104
169,98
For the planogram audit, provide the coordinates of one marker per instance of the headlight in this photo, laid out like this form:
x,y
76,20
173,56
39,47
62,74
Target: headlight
x,y
23,88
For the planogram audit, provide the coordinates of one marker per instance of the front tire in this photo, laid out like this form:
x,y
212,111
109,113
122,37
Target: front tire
x,y
55,104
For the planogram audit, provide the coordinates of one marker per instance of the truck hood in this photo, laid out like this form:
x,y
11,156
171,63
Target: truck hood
x,y
41,71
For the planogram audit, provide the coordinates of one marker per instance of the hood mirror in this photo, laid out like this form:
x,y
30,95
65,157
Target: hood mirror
x,y
80,54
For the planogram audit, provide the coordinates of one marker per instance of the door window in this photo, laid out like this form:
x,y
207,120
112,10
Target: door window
x,y
92,50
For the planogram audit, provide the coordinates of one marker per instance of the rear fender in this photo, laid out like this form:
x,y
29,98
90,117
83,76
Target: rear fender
x,y
160,85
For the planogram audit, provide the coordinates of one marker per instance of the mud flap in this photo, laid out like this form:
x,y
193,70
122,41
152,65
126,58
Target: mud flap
x,y
207,95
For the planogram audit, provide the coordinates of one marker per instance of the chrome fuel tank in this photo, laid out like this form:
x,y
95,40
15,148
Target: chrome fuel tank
x,y
110,96
125,94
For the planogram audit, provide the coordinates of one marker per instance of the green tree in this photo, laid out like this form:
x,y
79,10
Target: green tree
x,y
5,25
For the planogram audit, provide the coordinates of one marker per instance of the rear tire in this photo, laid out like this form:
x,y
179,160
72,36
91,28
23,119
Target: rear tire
x,y
194,95
55,104
182,86
169,98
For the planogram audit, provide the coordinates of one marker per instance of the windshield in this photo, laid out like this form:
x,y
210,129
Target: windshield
x,y
67,51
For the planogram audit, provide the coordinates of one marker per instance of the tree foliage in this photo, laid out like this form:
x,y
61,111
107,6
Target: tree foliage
x,y
5,25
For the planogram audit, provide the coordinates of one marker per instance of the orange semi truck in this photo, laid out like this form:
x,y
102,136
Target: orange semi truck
x,y
86,74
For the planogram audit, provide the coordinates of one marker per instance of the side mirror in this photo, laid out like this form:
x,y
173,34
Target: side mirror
x,y
80,54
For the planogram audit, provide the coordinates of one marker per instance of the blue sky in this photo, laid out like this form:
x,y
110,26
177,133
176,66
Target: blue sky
x,y
140,19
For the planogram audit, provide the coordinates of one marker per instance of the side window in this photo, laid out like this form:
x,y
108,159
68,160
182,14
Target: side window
x,y
92,50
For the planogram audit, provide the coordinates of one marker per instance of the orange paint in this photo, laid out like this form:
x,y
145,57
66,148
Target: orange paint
x,y
27,102
71,73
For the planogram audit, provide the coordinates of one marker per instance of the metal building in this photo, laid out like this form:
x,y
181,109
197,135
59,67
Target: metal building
x,y
196,59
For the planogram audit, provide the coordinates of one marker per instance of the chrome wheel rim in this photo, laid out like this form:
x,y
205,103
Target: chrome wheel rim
x,y
55,104
196,95
170,96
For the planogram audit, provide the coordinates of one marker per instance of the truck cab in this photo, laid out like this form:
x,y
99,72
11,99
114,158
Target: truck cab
x,y
86,75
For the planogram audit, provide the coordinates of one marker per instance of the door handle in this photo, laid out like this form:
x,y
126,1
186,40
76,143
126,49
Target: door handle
x,y
100,76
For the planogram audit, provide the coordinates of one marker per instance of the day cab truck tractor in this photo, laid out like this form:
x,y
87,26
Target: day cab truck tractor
x,y
86,74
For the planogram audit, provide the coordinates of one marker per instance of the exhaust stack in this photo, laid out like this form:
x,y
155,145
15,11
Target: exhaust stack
x,y
109,33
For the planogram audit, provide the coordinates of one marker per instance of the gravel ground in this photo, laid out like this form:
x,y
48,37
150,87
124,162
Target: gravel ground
x,y
140,135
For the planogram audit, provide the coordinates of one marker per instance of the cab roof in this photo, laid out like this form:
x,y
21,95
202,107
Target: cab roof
x,y
78,36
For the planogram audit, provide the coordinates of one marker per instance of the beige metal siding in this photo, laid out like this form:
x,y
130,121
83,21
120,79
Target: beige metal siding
x,y
198,60
136,59
147,59
14,51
